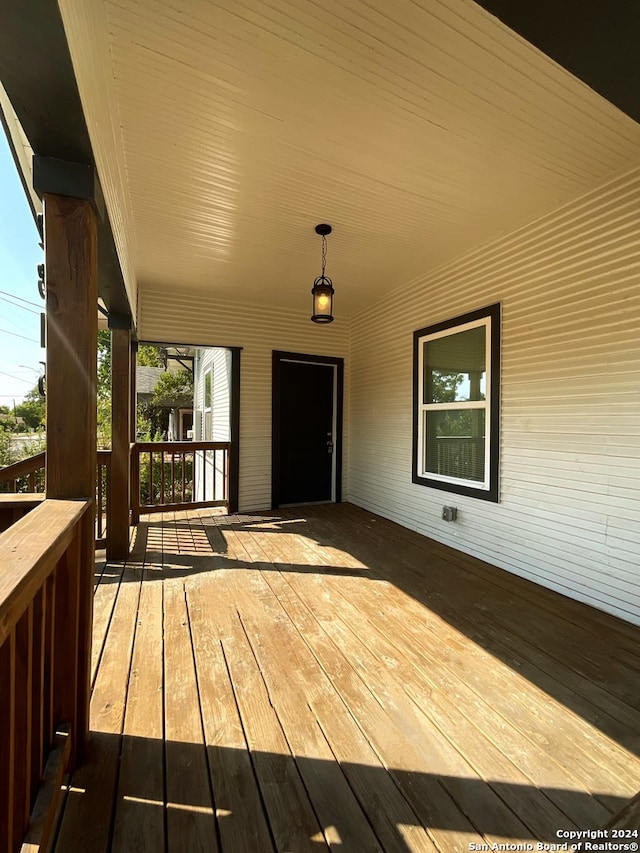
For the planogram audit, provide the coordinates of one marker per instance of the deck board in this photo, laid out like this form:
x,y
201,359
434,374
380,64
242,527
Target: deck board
x,y
298,681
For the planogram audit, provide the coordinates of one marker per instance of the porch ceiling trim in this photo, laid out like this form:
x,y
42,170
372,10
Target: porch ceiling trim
x,y
227,131
40,86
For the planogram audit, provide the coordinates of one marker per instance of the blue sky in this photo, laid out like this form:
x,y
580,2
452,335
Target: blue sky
x,y
20,255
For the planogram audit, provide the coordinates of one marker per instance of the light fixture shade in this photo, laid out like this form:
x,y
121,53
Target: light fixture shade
x,y
322,291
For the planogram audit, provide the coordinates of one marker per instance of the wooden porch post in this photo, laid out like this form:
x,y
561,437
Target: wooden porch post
x,y
134,471
234,460
72,329
118,533
133,391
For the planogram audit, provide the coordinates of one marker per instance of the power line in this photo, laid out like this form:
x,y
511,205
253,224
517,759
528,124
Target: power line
x,y
22,307
14,323
7,332
19,298
11,376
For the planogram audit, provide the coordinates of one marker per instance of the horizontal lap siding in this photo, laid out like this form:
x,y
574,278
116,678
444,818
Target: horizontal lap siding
x,y
195,318
569,285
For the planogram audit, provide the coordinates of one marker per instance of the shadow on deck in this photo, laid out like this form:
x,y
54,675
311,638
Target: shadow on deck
x,y
292,682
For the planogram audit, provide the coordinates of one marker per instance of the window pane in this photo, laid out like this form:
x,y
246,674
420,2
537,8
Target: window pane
x,y
455,367
207,390
454,443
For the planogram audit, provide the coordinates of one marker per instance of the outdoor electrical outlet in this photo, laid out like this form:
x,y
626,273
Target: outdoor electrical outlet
x,y
449,513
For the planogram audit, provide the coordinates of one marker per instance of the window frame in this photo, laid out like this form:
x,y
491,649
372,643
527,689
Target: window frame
x,y
207,427
489,488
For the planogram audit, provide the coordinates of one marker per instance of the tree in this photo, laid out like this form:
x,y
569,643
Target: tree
x,y
32,410
174,389
150,356
7,455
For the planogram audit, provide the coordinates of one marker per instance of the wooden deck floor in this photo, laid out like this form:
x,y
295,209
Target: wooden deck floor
x,y
295,682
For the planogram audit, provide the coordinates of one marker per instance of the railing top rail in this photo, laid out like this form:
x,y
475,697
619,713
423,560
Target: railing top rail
x,y
29,550
22,468
21,499
146,446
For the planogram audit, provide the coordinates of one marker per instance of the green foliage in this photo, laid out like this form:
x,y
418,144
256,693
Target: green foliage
x,y
443,385
14,449
7,456
149,356
32,410
151,422
174,389
104,364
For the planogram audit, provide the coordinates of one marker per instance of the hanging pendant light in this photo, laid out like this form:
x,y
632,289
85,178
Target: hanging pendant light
x,y
322,289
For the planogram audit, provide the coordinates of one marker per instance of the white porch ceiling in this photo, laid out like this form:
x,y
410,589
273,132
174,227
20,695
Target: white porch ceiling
x,y
224,130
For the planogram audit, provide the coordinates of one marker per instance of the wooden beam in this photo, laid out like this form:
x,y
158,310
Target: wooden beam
x,y
71,266
234,452
118,500
133,391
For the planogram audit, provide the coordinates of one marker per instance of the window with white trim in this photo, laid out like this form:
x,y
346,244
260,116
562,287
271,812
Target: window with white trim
x,y
208,406
456,404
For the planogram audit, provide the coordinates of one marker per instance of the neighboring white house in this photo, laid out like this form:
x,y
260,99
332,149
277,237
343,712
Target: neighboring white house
x,y
211,417
180,417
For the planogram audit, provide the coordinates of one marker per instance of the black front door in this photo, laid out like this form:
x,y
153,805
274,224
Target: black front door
x,y
305,440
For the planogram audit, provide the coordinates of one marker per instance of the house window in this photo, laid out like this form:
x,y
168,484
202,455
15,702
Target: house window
x,y
456,388
208,414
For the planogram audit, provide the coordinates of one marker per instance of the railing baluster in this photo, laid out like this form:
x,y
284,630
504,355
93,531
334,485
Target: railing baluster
x,y
49,644
225,462
37,689
99,504
23,710
187,467
66,636
204,475
7,740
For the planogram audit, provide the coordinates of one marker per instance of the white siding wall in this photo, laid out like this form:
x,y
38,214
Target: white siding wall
x,y
218,361
569,515
194,318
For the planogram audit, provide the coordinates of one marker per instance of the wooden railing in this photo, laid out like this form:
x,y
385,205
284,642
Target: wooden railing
x,y
41,654
103,482
178,475
13,507
28,477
